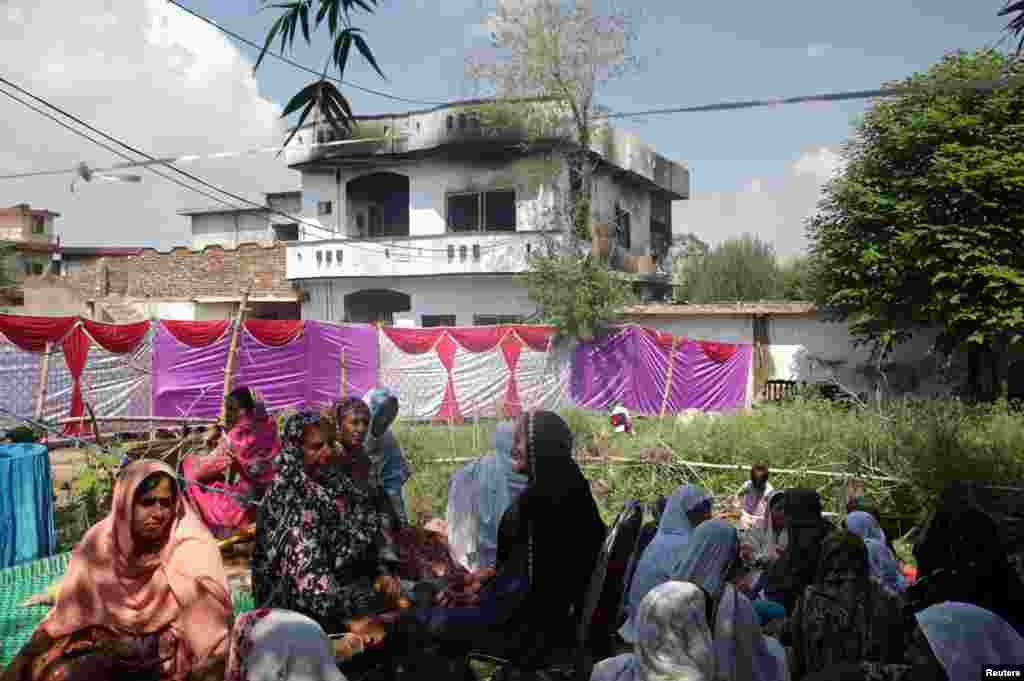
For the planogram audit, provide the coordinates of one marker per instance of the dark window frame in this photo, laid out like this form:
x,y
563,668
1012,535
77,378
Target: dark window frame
x,y
325,208
481,211
497,319
430,321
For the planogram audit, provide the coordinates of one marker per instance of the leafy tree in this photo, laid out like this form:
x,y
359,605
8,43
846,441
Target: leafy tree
x,y
321,95
1015,10
798,279
743,269
549,59
924,225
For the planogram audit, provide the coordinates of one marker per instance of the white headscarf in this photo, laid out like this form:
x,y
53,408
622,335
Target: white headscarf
x,y
712,548
742,653
283,646
674,640
479,493
964,638
655,565
884,568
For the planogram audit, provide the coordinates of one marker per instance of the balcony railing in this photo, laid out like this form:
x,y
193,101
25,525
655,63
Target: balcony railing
x,y
462,253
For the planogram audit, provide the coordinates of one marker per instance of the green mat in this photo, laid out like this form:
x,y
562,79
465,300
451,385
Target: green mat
x,y
19,582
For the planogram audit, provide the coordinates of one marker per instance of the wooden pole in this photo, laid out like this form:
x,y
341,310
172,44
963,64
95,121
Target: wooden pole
x,y
233,349
668,377
44,379
343,393
135,419
380,330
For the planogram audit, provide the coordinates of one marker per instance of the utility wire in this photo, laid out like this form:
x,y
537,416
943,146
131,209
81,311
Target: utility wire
x,y
194,178
301,67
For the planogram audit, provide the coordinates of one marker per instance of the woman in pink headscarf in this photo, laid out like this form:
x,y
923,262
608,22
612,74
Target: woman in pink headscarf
x,y
145,596
242,464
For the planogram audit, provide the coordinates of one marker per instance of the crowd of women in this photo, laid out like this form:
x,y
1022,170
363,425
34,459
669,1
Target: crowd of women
x,y
338,570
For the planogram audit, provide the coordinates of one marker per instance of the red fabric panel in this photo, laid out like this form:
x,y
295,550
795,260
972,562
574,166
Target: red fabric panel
x,y
413,341
274,332
511,346
663,338
478,338
196,334
32,333
720,352
76,350
449,410
117,338
535,337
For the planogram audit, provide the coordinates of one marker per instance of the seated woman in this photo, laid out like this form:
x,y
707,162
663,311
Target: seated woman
x,y
242,464
280,645
548,544
673,639
710,560
844,616
764,543
742,651
479,493
785,579
885,569
949,642
145,596
687,508
389,465
961,558
321,543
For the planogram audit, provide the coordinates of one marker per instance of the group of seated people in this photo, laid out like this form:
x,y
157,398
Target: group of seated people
x,y
338,569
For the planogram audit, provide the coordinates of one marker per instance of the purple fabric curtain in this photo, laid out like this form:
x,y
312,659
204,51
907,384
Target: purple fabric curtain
x,y
305,372
631,366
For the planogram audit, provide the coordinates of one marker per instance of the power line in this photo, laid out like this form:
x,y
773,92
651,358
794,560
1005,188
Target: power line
x,y
295,64
194,178
107,147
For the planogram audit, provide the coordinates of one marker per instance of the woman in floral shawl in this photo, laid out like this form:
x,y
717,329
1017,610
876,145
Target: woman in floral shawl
x,y
321,544
242,464
844,616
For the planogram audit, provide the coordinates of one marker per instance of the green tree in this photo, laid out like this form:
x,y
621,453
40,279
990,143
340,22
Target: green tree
x,y
797,279
743,269
924,225
549,60
321,95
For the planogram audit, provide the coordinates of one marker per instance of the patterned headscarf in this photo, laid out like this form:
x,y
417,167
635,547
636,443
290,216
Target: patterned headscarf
x,y
339,520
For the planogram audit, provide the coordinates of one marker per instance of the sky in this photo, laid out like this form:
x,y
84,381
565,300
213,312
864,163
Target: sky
x,y
168,84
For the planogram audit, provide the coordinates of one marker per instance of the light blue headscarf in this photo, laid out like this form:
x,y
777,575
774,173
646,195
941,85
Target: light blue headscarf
x,y
711,551
389,461
884,568
965,638
658,559
479,493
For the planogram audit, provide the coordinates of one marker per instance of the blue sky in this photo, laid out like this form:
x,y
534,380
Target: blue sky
x,y
189,89
693,53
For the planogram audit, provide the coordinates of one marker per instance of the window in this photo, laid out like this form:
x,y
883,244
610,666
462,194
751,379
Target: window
x,y
431,320
324,208
493,211
448,122
622,227
38,225
496,320
462,121
464,212
286,232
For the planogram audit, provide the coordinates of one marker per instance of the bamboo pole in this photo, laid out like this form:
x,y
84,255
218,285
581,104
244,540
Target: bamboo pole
x,y
134,419
229,370
668,377
44,380
343,392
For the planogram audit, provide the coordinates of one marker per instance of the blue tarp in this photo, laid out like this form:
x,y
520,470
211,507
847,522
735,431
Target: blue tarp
x,y
27,529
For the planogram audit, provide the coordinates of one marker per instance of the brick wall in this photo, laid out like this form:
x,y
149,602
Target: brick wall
x,y
185,274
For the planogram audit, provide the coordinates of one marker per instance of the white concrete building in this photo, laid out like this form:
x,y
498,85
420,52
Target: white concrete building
x,y
426,218
229,228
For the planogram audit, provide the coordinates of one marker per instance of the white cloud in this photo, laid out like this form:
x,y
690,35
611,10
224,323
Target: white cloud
x,y
152,76
773,208
817,50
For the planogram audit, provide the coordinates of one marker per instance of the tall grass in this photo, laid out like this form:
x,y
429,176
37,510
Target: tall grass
x,y
925,444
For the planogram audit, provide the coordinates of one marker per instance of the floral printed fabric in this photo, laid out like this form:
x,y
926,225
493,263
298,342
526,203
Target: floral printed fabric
x,y
319,540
